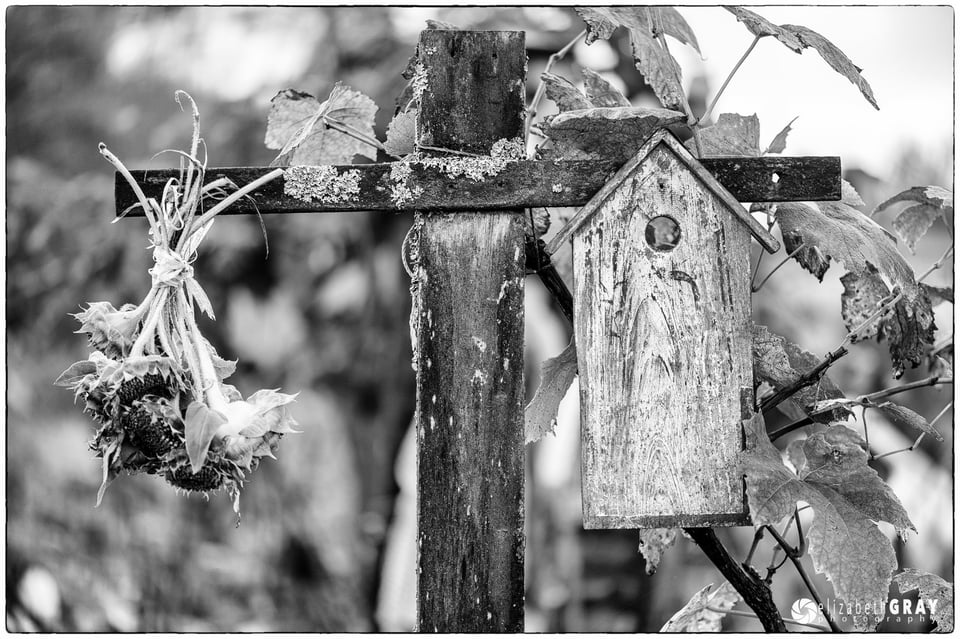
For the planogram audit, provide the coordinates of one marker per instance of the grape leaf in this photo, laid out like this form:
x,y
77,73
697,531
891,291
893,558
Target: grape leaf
x,y
659,69
611,133
780,363
797,38
76,372
603,21
850,197
732,134
914,222
402,134
936,197
938,294
760,26
845,545
562,91
697,616
556,375
295,125
600,92
903,416
932,588
653,543
199,425
779,141
909,328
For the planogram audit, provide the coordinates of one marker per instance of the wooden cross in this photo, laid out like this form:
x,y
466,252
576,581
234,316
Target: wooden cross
x,y
467,323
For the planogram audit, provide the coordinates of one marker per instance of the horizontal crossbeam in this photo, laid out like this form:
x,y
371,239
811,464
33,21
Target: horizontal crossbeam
x,y
523,184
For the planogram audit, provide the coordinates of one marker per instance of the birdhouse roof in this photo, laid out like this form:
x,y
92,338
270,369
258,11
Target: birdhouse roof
x,y
664,137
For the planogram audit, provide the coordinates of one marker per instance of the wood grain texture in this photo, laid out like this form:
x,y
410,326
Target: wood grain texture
x,y
468,327
521,184
664,345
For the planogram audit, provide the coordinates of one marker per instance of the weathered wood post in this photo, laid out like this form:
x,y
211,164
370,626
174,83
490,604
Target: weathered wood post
x,y
467,322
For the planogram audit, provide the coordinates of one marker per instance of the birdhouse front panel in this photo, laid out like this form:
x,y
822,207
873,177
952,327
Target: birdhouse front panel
x,y
662,323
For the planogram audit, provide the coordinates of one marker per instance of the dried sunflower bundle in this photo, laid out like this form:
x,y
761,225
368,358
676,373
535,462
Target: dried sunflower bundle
x,y
153,383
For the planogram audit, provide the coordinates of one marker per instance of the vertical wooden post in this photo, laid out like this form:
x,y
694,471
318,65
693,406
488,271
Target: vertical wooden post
x,y
467,325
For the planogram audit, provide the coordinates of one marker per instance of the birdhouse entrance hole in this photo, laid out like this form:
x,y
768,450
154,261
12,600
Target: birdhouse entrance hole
x,y
663,233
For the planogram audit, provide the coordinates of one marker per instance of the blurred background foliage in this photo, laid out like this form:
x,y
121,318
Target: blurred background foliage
x,y
326,541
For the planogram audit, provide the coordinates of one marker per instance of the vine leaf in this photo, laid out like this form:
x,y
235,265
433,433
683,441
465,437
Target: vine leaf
x,y
556,375
844,494
659,69
402,134
780,363
733,134
653,543
908,329
913,222
563,93
938,294
600,92
609,133
797,38
903,416
700,614
933,588
779,141
295,126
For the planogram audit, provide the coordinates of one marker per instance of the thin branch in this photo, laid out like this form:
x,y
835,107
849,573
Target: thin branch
x,y
736,68
795,558
909,448
895,390
946,408
757,536
810,377
936,265
756,269
775,268
750,615
542,87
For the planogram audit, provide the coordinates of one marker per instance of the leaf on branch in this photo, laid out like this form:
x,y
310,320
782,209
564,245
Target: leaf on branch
x,y
611,133
733,134
600,92
779,142
700,613
760,26
937,294
850,197
906,418
780,363
295,126
932,588
908,328
563,93
76,372
603,21
556,375
659,69
845,545
402,134
913,222
653,543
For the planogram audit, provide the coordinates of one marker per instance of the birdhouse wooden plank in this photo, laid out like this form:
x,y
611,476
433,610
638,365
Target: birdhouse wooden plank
x,y
662,325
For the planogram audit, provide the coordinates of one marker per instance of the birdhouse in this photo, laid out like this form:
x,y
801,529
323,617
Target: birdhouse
x,y
663,330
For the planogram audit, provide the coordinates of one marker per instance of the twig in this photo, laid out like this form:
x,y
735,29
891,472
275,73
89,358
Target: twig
x,y
895,390
757,536
736,68
810,377
794,557
775,268
542,87
233,197
909,448
750,615
356,134
936,265
756,269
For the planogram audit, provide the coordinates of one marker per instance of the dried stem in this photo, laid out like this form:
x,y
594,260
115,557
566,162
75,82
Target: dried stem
x,y
936,265
775,268
355,133
894,390
736,68
810,377
542,87
233,197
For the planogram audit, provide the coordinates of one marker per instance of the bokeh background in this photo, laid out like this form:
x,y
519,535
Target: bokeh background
x,y
327,540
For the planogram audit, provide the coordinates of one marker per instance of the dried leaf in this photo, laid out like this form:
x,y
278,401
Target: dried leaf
x,y
600,23
440,24
556,375
760,26
660,70
733,134
914,222
906,418
561,91
845,545
612,133
603,21
934,196
933,588
700,613
908,328
653,543
402,134
780,363
200,424
938,294
600,92
835,58
295,125
779,142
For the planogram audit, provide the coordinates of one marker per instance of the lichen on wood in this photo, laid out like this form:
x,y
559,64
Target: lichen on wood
x,y
478,168
321,183
400,192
